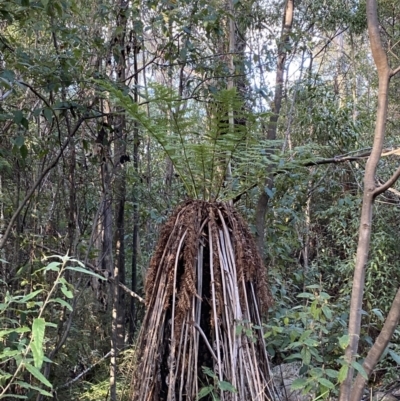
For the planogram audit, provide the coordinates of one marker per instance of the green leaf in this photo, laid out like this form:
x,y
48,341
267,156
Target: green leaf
x,y
62,303
344,341
298,384
36,373
38,329
204,391
53,266
226,386
18,116
395,356
68,293
24,151
327,312
82,270
19,141
343,373
29,296
359,368
331,373
25,123
17,330
48,114
306,354
30,387
326,383
306,295
209,372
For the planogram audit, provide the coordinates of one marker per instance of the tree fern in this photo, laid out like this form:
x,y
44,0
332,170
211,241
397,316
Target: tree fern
x,y
200,141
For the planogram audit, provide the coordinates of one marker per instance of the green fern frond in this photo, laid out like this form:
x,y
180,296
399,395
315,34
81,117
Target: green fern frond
x,y
201,141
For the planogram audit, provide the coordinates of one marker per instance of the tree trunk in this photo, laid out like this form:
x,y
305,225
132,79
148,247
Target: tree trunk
x,y
272,125
370,192
118,301
135,233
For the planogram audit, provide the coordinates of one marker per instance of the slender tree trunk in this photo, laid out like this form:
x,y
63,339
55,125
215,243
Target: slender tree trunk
x,y
369,194
118,301
378,348
135,234
262,204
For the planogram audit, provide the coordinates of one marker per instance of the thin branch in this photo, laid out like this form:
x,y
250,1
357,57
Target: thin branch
x,y
378,348
329,42
75,379
35,185
394,72
387,184
98,271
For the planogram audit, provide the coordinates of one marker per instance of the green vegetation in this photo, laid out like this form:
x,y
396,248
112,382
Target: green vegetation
x,y
114,114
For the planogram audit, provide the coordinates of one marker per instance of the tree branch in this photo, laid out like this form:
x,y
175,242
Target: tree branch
x,y
387,184
394,72
14,217
378,348
75,379
98,271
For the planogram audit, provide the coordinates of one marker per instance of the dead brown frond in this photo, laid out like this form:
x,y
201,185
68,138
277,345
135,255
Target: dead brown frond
x,y
205,293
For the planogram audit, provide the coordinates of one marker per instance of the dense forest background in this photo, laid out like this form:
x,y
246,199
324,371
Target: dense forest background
x,y
113,113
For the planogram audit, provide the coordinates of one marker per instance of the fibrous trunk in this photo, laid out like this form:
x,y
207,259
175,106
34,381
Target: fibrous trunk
x,y
205,293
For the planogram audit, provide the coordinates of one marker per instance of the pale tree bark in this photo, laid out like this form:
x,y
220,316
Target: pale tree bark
x,y
273,122
369,194
378,348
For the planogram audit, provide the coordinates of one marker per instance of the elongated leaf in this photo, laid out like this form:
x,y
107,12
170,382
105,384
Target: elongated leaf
x,y
204,391
326,383
395,356
68,293
343,373
226,386
86,271
62,302
37,374
298,384
30,387
23,329
38,329
344,341
29,296
332,373
53,266
359,368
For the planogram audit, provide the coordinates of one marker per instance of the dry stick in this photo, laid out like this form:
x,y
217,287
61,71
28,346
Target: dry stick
x,y
252,354
200,330
198,310
75,379
184,333
171,383
190,382
378,348
231,253
157,311
150,350
273,394
229,325
235,297
210,240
